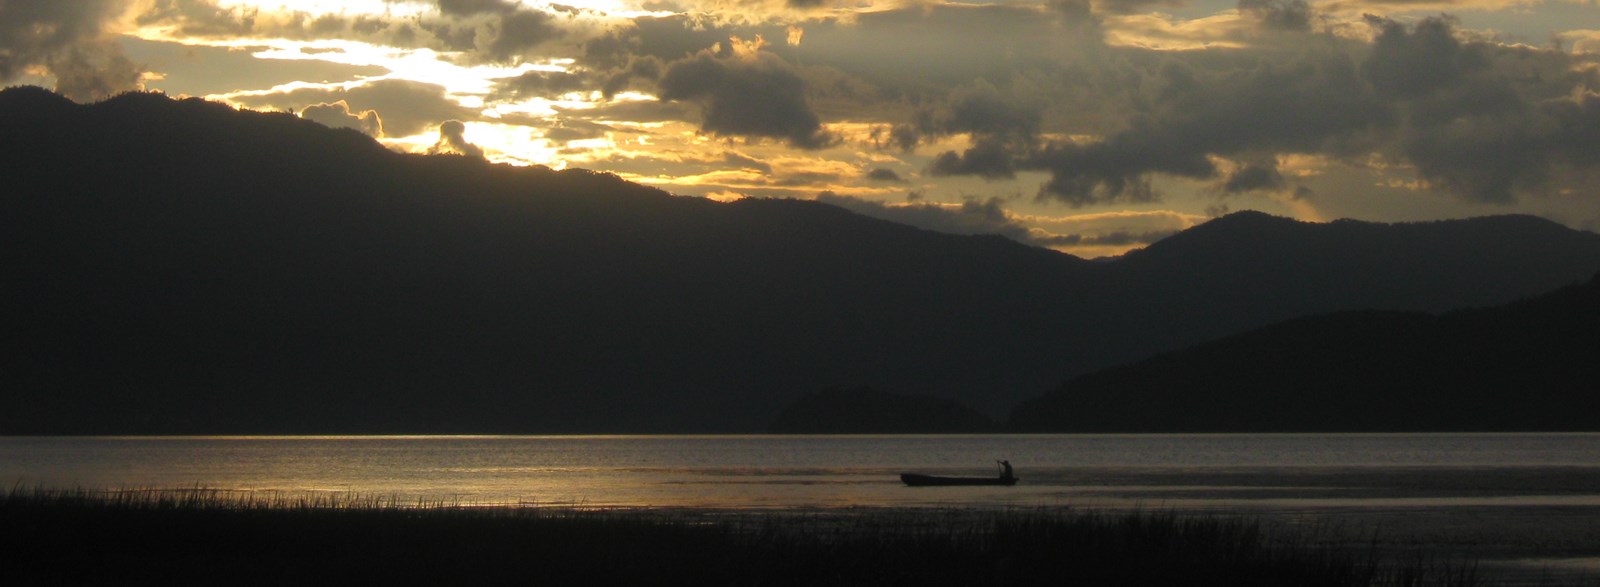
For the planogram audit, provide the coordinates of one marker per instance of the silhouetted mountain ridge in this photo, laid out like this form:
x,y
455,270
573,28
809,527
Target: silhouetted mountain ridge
x,y
178,266
1526,366
1249,269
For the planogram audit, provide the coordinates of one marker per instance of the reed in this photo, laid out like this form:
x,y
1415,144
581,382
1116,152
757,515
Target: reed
x,y
199,535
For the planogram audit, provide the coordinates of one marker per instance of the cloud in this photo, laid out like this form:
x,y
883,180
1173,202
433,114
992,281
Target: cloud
x,y
1093,233
71,41
884,174
1492,159
989,159
1285,15
1487,122
972,216
1002,126
472,7
453,140
1258,176
1313,104
744,91
640,111
337,114
541,84
1089,95
407,107
1580,41
746,162
637,73
575,130
484,30
205,19
517,32
1410,62
1480,120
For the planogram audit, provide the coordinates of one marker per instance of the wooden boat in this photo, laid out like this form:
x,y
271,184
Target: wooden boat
x,y
918,480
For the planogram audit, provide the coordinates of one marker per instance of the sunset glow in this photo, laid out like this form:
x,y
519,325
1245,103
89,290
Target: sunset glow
x,y
1050,111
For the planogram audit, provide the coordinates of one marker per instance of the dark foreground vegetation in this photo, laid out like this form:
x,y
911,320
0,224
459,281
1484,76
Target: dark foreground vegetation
x,y
211,537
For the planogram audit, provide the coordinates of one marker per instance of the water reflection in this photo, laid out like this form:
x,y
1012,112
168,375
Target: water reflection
x,y
1327,470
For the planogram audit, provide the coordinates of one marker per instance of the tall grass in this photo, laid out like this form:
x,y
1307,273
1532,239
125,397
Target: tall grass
x,y
203,536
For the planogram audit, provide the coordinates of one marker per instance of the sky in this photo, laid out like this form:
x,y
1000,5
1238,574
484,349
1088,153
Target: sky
x,y
1087,126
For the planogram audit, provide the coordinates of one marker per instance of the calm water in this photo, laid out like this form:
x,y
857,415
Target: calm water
x,y
1174,471
1527,506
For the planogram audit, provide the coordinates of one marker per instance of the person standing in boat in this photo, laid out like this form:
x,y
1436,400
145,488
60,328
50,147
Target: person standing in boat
x,y
1006,474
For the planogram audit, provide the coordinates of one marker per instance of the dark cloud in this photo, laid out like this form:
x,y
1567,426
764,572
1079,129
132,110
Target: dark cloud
x,y
807,178
204,18
1412,63
1121,6
407,107
972,216
638,74
453,140
1003,127
1027,87
665,38
1492,159
487,30
883,174
1315,103
472,7
632,72
70,41
518,32
983,109
984,216
1485,122
574,130
631,111
542,84
1036,88
885,65
926,49
990,159
1284,15
746,162
1262,176
744,91
901,136
93,71
498,30
338,115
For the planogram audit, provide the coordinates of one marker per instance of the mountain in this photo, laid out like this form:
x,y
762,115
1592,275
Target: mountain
x,y
1250,269
869,411
177,266
1528,366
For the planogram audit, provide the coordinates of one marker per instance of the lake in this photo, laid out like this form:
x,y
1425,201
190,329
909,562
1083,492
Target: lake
x,y
1525,504
1183,471
1524,499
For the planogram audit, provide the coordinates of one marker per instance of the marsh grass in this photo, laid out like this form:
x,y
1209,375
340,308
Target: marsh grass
x,y
203,536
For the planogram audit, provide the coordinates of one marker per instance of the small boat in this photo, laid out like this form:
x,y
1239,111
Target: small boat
x,y
919,480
